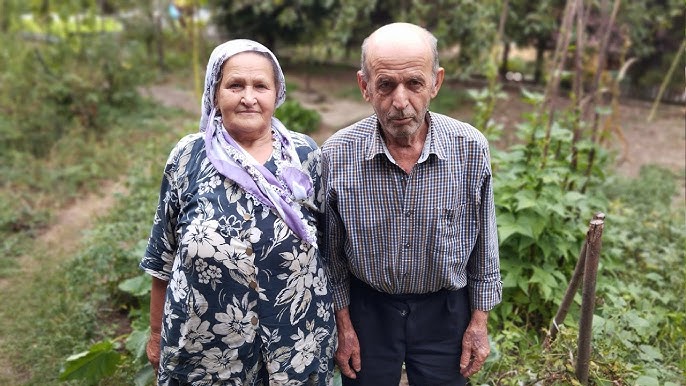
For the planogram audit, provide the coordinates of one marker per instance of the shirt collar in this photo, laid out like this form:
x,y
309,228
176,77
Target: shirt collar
x,y
434,143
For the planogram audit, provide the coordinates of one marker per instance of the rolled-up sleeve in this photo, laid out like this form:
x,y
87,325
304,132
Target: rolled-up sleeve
x,y
483,270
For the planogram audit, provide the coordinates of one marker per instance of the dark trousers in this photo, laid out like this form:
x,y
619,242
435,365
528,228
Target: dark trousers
x,y
423,331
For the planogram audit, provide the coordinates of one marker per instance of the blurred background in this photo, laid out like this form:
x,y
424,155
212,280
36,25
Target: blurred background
x,y
581,100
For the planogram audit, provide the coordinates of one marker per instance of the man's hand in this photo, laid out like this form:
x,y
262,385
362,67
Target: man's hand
x,y
475,347
348,350
152,349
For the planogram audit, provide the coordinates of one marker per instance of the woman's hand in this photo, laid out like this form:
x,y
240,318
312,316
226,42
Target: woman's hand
x,y
152,349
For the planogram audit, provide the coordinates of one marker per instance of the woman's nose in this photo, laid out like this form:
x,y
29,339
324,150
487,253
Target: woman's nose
x,y
248,97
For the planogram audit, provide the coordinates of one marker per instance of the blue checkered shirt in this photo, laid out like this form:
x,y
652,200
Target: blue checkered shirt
x,y
412,233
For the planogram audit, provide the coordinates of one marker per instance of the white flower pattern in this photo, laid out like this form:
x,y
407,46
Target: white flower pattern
x,y
247,298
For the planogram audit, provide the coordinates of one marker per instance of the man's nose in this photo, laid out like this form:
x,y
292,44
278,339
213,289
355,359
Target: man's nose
x,y
400,100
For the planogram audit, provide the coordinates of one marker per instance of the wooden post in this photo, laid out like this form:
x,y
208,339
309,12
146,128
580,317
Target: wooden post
x,y
571,291
593,240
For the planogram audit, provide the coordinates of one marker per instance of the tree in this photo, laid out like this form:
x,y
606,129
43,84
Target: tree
x,y
532,24
272,22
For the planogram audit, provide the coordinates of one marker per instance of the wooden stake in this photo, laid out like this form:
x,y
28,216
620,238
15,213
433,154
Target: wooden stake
x,y
593,240
571,291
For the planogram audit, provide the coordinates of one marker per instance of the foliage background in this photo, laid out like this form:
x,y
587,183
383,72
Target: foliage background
x,y
72,118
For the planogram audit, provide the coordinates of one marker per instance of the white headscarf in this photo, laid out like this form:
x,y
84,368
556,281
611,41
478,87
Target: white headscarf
x,y
280,192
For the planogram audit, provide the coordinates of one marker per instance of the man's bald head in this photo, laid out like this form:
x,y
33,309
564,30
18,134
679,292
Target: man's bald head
x,y
402,34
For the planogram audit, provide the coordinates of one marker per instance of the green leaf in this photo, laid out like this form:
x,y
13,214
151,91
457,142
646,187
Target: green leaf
x,y
573,197
506,227
145,376
137,341
137,286
100,361
525,199
512,274
645,380
649,353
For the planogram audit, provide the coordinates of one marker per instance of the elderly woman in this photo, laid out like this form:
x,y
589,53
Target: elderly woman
x,y
239,294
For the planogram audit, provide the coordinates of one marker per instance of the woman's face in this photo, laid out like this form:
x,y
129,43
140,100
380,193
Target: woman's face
x,y
246,94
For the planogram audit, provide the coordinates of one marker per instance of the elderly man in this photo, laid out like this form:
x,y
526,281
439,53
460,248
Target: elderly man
x,y
410,225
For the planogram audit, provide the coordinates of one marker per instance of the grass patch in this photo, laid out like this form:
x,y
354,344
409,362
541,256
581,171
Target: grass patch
x,y
70,301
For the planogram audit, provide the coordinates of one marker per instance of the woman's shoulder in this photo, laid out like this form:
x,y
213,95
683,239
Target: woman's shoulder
x,y
301,140
190,143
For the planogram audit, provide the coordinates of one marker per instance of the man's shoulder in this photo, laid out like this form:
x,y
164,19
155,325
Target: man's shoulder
x,y
351,136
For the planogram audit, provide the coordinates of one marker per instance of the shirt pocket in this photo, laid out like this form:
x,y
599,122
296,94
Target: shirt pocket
x,y
449,235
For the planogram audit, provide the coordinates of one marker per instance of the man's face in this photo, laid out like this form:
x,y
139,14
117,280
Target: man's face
x,y
400,85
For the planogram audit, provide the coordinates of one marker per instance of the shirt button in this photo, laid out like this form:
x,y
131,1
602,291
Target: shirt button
x,y
407,246
403,313
408,213
254,320
246,216
253,284
248,251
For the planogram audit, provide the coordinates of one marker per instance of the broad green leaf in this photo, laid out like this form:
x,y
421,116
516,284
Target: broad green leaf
x,y
99,361
506,227
136,342
573,197
137,286
145,376
645,380
649,353
525,199
511,276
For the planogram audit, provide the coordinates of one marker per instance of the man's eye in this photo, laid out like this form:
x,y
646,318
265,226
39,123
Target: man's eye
x,y
385,86
415,84
234,86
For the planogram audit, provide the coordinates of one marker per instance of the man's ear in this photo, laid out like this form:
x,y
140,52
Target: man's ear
x,y
440,75
362,84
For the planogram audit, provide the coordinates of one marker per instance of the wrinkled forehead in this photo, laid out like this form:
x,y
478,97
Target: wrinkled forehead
x,y
225,51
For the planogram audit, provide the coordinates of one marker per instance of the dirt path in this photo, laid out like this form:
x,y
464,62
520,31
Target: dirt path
x,y
62,239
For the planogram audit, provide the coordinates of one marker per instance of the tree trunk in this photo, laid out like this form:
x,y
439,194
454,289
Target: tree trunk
x,y
502,71
540,55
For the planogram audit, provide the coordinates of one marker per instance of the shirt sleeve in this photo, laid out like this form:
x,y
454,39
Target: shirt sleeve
x,y
162,244
333,246
483,270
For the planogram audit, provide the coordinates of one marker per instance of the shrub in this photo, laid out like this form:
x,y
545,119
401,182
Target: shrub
x,y
298,118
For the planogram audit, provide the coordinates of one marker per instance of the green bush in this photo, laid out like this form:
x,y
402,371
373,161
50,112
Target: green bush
x,y
298,118
79,82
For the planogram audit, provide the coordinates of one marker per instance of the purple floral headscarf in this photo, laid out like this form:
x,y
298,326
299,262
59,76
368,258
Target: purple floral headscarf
x,y
282,192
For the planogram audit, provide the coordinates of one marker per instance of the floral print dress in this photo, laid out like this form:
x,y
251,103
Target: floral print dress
x,y
247,303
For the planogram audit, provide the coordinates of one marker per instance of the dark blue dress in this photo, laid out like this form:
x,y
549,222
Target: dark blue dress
x,y
247,302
